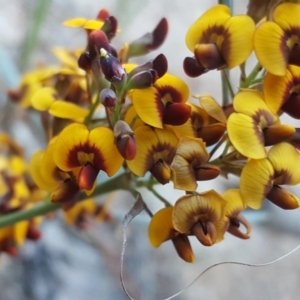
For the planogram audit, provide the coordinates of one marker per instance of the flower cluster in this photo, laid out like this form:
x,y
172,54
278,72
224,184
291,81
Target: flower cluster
x,y
139,124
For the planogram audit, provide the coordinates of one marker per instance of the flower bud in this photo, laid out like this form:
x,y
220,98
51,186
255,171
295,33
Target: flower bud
x,y
207,172
149,41
111,67
142,79
110,27
97,40
108,98
84,61
125,140
103,14
283,198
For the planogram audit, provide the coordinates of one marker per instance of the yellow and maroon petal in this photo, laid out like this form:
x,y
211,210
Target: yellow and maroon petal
x,y
205,28
106,154
161,227
67,110
256,181
146,140
149,106
270,47
172,89
277,89
286,15
246,136
237,44
285,160
192,209
72,148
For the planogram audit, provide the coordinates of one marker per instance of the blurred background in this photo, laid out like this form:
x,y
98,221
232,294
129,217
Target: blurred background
x,y
69,264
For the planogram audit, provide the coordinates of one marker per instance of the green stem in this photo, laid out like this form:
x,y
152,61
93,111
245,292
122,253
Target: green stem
x,y
226,83
251,77
120,182
93,107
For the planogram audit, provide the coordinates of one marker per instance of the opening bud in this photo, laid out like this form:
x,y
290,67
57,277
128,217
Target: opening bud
x,y
108,98
125,140
97,40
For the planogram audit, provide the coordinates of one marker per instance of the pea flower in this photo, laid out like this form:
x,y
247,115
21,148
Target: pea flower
x,y
87,151
218,40
163,103
253,125
155,151
161,229
190,164
197,214
262,178
276,42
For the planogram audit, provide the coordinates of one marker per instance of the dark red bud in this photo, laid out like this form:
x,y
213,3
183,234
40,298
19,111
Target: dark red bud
x,y
103,14
191,68
142,79
160,65
84,61
97,39
108,97
110,27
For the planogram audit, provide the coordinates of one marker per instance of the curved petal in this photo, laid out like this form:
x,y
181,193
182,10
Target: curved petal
x,y
67,110
148,105
286,15
43,98
202,31
256,181
237,44
70,142
161,228
270,48
192,209
235,203
246,137
277,90
172,89
146,140
106,154
285,159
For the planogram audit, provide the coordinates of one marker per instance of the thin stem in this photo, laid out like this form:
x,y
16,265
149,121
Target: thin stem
x,y
159,196
120,182
225,79
218,145
93,107
251,77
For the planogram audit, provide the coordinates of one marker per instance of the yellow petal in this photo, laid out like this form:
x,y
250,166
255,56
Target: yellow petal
x,y
107,156
256,181
43,98
286,15
67,110
93,24
277,89
212,18
238,45
285,159
75,22
212,107
20,232
161,227
269,49
69,140
235,204
246,137
148,105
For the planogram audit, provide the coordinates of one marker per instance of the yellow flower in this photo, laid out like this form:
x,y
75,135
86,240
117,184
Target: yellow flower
x,y
261,178
87,152
218,40
155,151
253,126
276,42
161,229
163,103
198,214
